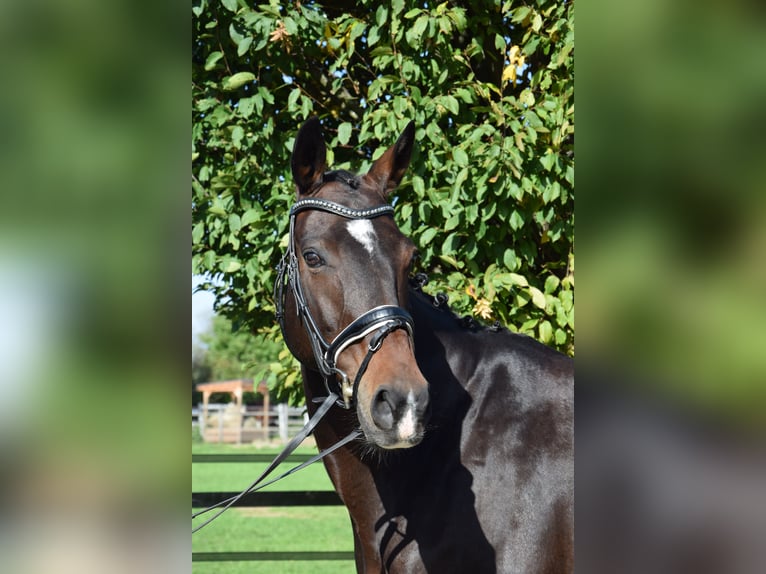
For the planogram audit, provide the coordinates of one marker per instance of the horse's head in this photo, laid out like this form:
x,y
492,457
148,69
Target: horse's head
x,y
350,267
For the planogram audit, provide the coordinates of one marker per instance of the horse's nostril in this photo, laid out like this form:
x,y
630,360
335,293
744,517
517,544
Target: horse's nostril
x,y
383,410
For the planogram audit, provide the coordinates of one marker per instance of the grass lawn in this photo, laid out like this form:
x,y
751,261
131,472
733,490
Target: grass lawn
x,y
268,529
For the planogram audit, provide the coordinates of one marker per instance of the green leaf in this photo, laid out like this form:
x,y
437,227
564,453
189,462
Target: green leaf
x,y
236,136
230,5
231,266
530,46
381,15
499,43
546,331
292,99
548,160
532,119
250,216
266,94
234,34
418,185
538,298
462,175
466,95
237,80
427,236
551,284
516,220
452,222
451,260
511,279
527,98
553,191
344,133
235,223
521,299
198,232
246,106
420,25
212,60
373,35
509,259
451,103
520,14
244,46
424,211
458,17
460,157
209,259
217,207
290,26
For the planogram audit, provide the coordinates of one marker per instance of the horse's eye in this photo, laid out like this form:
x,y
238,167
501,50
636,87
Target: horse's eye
x,y
312,259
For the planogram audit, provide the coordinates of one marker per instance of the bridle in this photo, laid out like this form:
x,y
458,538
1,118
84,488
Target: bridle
x,y
378,322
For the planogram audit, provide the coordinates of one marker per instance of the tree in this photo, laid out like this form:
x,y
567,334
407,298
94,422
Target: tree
x,y
226,354
489,196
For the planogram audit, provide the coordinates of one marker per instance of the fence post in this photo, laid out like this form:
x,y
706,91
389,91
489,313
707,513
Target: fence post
x,y
282,418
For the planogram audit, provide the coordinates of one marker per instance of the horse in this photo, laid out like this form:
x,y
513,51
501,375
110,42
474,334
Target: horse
x,y
465,456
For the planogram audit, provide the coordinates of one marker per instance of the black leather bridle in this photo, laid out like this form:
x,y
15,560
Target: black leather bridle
x,y
378,322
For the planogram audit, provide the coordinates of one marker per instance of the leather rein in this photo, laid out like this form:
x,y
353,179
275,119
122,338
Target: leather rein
x,y
378,322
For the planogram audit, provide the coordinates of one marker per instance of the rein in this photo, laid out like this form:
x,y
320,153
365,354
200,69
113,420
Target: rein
x,y
379,321
258,483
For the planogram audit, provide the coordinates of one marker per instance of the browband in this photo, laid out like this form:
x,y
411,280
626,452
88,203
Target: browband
x,y
338,209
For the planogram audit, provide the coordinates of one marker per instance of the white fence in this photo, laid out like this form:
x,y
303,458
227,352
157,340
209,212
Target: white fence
x,y
233,424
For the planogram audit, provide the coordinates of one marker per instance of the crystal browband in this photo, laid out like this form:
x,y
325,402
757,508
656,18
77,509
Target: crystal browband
x,y
341,210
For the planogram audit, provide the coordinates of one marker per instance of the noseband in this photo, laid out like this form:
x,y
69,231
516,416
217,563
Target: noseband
x,y
378,322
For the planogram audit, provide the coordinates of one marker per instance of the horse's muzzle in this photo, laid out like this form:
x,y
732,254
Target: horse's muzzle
x,y
399,413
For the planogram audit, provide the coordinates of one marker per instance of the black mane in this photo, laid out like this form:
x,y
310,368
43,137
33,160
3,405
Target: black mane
x,y
441,301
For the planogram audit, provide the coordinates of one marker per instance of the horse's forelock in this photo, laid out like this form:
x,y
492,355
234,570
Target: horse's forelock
x,y
342,176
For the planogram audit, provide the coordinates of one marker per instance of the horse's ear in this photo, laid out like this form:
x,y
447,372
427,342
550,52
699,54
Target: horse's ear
x,y
389,169
309,157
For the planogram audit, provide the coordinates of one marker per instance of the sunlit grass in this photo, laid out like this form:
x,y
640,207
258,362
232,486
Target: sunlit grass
x,y
270,529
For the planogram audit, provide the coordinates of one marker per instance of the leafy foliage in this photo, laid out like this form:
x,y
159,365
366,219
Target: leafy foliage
x,y
489,196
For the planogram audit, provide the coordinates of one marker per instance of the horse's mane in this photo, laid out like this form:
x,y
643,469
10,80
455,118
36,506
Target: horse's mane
x,y
343,176
440,302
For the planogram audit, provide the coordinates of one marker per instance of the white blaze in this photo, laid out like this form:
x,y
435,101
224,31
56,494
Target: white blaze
x,y
362,231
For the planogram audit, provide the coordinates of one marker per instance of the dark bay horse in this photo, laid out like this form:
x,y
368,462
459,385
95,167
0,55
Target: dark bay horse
x,y
466,461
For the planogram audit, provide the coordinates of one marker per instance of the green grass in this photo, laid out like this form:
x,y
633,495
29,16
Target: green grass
x,y
231,476
269,529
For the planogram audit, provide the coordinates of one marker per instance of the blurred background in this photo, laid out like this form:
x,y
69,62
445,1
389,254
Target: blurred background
x,y
94,223
671,369
94,140
672,203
